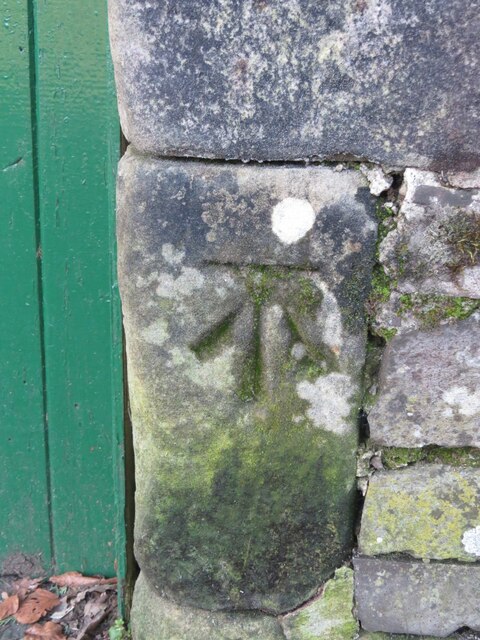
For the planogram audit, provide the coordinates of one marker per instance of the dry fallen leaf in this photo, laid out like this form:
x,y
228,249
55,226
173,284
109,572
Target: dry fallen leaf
x,y
9,606
25,585
35,606
47,631
76,579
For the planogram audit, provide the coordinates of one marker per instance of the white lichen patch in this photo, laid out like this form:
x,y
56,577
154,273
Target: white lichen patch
x,y
471,541
184,285
156,333
299,350
378,180
329,318
215,373
172,255
465,402
329,397
292,219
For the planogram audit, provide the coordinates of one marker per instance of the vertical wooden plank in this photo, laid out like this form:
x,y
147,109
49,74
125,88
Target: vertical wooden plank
x,y
24,513
78,141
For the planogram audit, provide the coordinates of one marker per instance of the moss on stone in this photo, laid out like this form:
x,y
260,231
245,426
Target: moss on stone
x,y
307,297
328,617
382,283
431,309
386,333
259,283
157,618
462,234
247,508
423,511
378,635
397,457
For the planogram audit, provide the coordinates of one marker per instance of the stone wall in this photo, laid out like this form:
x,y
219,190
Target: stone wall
x,y
299,260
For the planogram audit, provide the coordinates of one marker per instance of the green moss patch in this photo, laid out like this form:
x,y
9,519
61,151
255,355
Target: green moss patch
x,y
261,508
432,309
382,283
328,617
397,457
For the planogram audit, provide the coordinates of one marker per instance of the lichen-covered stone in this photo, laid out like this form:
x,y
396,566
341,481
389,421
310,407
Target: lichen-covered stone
x,y
404,312
243,292
434,599
156,618
428,511
328,617
391,82
367,635
435,247
429,388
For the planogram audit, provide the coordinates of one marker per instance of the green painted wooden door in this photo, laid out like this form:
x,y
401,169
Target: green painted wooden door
x,y
61,409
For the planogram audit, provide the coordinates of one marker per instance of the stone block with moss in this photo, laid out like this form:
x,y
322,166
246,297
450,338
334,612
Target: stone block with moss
x,y
157,618
429,388
435,245
428,511
243,293
329,616
418,598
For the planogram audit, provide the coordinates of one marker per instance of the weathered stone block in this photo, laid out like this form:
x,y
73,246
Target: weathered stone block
x,y
391,82
328,617
378,635
243,290
432,599
428,511
435,247
156,618
429,391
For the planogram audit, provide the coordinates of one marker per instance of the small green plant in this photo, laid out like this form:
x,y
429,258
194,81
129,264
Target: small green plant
x,y
118,631
5,621
463,235
382,283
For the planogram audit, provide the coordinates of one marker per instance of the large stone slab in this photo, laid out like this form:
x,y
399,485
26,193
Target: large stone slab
x,y
435,247
391,82
428,511
432,599
429,388
243,291
156,618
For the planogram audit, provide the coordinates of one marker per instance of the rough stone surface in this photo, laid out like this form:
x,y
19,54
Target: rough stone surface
x,y
402,313
433,599
245,336
367,635
428,511
429,388
328,617
378,180
155,618
391,82
464,179
435,247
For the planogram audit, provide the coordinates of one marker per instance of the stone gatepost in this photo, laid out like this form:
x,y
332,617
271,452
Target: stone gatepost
x,y
268,141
